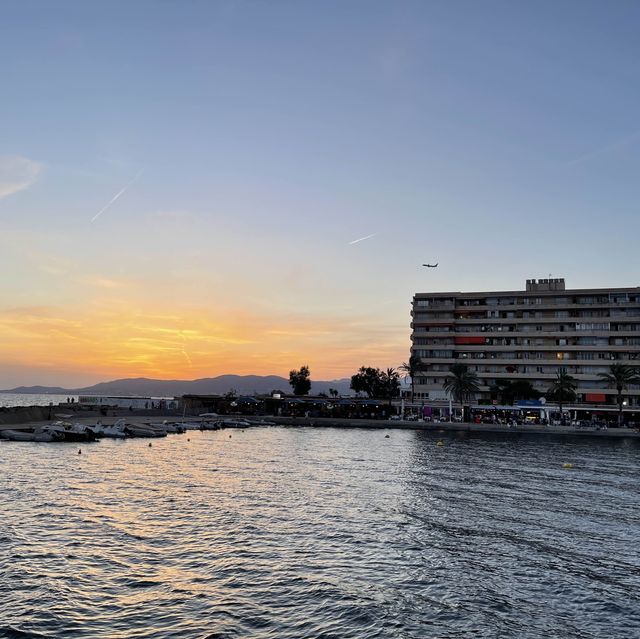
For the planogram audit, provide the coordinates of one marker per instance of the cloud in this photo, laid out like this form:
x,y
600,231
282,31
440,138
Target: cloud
x,y
17,173
98,281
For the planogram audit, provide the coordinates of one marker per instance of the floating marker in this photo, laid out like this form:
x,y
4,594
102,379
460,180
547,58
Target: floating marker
x,y
79,451
439,443
567,465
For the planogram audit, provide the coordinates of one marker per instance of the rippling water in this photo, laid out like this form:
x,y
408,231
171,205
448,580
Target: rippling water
x,y
322,533
33,399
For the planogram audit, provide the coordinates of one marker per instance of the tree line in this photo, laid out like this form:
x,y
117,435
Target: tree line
x,y
374,382
461,384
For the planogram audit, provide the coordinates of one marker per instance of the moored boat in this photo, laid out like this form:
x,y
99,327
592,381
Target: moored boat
x,y
71,432
32,435
115,431
169,427
144,430
233,423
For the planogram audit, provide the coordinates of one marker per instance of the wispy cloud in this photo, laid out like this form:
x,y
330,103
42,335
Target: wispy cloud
x,y
609,148
17,173
117,195
362,239
98,281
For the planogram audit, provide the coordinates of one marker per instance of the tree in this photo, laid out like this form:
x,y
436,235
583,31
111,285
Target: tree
x,y
333,392
461,383
300,380
411,370
389,383
563,389
619,377
366,380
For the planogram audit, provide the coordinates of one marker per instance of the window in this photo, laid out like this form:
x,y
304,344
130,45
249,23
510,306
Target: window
x,y
592,326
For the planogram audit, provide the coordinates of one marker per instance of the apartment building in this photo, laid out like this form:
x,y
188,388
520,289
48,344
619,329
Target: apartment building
x,y
528,335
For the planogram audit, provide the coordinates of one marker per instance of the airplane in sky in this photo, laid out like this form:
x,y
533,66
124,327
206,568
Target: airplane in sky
x,y
431,265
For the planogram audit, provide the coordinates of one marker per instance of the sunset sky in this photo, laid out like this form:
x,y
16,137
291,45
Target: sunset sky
x,y
182,183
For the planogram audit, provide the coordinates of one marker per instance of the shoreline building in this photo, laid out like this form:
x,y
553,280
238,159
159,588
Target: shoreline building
x,y
528,335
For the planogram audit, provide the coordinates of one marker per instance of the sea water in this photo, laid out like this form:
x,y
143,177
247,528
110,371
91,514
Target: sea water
x,y
315,532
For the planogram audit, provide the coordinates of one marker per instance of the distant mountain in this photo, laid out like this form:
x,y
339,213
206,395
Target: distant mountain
x,y
141,386
37,390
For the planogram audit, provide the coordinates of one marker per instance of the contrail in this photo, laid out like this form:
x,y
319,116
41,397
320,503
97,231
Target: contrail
x,y
116,196
187,357
619,144
361,239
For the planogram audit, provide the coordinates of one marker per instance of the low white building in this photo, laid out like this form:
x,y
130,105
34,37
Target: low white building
x,y
135,403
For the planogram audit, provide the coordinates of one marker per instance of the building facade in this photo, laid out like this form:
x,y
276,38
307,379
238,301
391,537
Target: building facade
x,y
528,335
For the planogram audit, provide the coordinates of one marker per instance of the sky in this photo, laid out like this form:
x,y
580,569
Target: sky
x,y
182,183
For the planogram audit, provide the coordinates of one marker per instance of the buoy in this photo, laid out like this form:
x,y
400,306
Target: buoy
x,y
229,436
439,443
567,465
386,436
79,451
149,444
188,439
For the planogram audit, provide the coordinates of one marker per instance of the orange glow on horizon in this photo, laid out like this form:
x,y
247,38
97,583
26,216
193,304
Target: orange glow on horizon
x,y
116,340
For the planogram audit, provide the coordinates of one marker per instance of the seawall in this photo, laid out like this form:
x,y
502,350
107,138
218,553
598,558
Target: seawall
x,y
456,427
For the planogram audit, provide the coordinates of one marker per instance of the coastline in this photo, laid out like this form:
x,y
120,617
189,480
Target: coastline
x,y
28,417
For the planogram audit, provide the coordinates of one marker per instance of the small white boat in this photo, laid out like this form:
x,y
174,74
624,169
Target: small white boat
x,y
144,430
262,422
234,423
71,432
191,425
170,427
210,425
36,435
115,431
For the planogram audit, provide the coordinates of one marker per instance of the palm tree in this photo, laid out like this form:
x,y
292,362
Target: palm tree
x,y
461,383
389,382
619,377
411,369
563,388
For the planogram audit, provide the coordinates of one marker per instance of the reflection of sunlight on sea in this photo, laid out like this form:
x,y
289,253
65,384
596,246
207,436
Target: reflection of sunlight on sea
x,y
33,399
279,532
